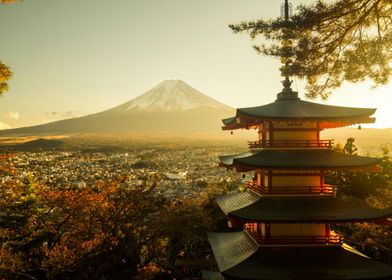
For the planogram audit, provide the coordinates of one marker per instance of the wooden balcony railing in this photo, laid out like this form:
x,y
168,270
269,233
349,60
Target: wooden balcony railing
x,y
291,144
333,239
292,190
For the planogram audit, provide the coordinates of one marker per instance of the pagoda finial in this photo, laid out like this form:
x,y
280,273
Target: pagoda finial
x,y
286,10
287,92
287,84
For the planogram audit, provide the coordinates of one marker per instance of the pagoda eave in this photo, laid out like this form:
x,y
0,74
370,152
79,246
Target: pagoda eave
x,y
376,220
239,167
251,207
239,257
299,109
246,168
256,119
254,123
298,159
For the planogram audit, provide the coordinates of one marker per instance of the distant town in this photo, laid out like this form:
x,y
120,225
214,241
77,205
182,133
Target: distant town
x,y
176,172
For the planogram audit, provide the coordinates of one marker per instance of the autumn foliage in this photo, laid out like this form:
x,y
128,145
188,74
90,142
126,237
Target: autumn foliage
x,y
374,189
107,230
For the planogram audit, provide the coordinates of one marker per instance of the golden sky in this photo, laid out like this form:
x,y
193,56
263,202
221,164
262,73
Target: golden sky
x,y
72,58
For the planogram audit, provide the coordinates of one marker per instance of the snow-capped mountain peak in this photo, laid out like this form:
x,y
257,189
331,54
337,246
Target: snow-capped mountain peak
x,y
172,95
170,107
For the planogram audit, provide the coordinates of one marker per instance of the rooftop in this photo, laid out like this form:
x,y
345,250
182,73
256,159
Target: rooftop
x,y
248,206
239,257
297,109
296,159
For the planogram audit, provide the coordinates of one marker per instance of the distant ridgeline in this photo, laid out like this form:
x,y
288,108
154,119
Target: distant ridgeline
x,y
40,145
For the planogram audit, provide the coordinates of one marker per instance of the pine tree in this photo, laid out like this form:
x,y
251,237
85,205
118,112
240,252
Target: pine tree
x,y
5,72
330,42
5,75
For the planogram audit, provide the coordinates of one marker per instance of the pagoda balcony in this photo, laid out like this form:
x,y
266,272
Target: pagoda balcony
x,y
292,190
291,144
332,239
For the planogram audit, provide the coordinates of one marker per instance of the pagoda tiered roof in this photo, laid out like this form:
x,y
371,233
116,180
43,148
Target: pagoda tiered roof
x,y
313,159
239,257
248,206
295,109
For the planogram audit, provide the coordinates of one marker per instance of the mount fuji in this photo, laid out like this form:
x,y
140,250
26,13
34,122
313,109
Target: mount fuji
x,y
170,107
171,95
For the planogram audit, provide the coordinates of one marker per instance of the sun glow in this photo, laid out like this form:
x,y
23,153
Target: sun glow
x,y
364,96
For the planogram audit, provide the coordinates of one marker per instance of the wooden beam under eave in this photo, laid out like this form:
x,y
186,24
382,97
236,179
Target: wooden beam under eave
x,y
235,223
237,168
241,126
366,169
232,127
384,222
246,168
344,123
247,121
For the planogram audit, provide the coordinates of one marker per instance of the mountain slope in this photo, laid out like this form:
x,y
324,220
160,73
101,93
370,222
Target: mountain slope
x,y
171,95
172,106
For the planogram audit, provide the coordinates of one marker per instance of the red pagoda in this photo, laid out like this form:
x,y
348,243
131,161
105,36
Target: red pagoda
x,y
281,225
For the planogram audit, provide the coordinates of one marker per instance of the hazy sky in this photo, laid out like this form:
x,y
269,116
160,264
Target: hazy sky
x,y
76,57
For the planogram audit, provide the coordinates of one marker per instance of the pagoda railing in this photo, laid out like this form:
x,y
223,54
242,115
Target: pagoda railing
x,y
291,144
333,238
292,190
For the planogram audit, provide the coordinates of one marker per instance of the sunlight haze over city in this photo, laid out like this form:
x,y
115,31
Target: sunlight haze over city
x,y
73,58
